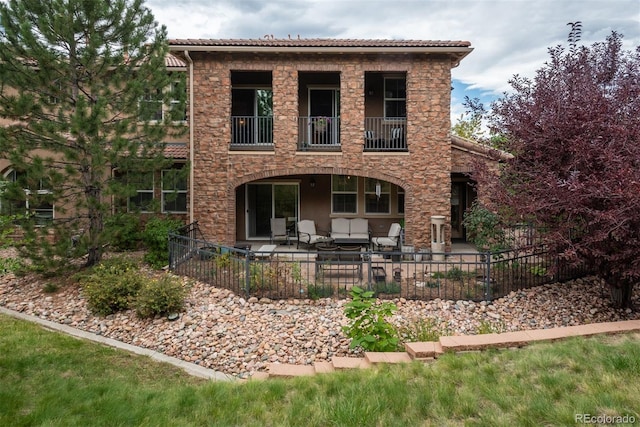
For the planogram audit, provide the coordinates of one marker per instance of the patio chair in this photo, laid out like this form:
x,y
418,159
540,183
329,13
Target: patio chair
x,y
279,230
392,239
397,138
308,234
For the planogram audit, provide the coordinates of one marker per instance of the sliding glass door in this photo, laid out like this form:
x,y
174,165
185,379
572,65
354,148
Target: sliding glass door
x,y
270,200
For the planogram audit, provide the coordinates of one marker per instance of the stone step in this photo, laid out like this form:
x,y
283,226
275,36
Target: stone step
x,y
286,370
424,350
350,363
386,357
323,367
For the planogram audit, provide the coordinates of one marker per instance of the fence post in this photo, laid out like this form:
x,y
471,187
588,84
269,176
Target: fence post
x,y
369,272
247,271
488,297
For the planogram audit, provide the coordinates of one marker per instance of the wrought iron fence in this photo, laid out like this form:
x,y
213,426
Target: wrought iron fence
x,y
314,274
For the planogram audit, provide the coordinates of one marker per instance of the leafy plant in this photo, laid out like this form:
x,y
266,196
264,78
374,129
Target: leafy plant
x,y
10,265
112,285
422,330
484,229
124,231
156,239
369,328
386,288
455,273
486,327
160,296
319,290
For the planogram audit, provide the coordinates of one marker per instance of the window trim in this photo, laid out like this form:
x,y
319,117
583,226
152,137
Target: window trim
x,y
174,190
355,193
151,191
387,193
389,98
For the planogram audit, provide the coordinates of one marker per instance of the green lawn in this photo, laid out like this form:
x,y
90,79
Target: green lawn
x,y
50,379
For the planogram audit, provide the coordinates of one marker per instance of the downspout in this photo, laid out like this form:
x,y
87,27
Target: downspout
x,y
191,149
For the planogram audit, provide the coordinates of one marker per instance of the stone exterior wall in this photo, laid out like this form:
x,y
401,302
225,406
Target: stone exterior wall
x,y
423,172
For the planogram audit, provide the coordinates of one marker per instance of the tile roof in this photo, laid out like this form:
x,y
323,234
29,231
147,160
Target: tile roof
x,y
320,43
176,150
172,61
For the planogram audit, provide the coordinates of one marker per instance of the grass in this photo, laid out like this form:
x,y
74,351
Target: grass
x,y
54,380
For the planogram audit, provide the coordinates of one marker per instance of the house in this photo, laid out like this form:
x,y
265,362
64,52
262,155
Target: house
x,y
324,128
163,189
314,129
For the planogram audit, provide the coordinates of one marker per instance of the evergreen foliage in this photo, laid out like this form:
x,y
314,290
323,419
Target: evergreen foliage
x,y
82,84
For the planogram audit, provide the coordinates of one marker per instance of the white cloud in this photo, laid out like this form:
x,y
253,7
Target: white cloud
x,y
508,36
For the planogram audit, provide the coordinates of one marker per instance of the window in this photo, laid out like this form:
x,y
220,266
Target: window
x,y
174,190
395,97
143,184
377,196
176,104
344,194
400,200
151,105
35,201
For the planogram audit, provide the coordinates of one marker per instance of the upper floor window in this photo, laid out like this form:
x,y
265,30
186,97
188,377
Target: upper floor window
x,y
344,194
395,97
176,105
151,105
174,190
377,196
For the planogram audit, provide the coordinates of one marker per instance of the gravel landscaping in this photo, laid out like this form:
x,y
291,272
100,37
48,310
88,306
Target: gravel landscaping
x,y
238,336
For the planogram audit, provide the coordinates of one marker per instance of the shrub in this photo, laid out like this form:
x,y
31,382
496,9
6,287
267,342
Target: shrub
x,y
160,296
369,328
156,239
124,231
320,290
10,265
112,285
421,330
386,288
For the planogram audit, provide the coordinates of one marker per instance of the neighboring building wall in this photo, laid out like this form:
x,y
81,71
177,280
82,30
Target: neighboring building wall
x,y
424,172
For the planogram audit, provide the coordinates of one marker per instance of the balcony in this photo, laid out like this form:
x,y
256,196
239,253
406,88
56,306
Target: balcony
x,y
319,133
252,133
385,134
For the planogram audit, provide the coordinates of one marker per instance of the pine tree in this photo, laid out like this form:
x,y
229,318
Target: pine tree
x,y
82,85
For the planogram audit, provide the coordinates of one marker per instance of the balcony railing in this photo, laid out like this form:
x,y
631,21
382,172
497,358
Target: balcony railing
x,y
319,133
385,134
251,132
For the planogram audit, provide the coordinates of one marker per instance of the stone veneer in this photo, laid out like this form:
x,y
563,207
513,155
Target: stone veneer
x,y
423,172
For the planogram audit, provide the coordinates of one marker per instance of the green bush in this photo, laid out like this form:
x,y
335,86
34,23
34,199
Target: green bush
x,y
156,240
124,231
386,288
422,330
368,327
160,296
320,290
10,265
112,285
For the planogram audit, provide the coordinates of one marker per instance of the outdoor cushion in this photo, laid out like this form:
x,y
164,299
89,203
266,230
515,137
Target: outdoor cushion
x,y
359,228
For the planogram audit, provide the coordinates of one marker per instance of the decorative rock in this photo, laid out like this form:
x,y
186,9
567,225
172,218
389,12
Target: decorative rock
x,y
239,336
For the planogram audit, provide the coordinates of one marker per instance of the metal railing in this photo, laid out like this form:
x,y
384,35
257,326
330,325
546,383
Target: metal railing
x,y
251,132
319,133
319,274
385,134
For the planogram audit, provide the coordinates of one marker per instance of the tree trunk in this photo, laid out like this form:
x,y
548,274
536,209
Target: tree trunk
x,y
94,251
621,295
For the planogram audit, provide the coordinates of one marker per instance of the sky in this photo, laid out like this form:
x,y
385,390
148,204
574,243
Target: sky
x,y
509,37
